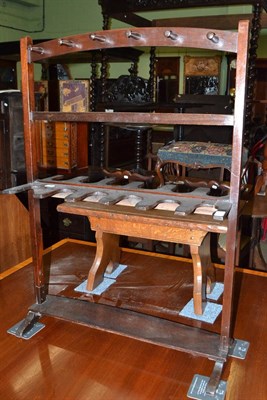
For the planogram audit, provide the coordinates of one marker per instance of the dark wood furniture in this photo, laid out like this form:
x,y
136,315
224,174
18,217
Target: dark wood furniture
x,y
8,74
127,11
111,220
257,207
134,13
12,162
167,72
91,138
260,101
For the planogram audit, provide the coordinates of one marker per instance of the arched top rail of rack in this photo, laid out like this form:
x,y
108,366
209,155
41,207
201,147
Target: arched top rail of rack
x,y
209,39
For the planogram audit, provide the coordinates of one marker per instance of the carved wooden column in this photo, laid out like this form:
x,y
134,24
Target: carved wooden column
x,y
133,70
152,70
255,32
93,101
104,62
98,130
93,87
104,76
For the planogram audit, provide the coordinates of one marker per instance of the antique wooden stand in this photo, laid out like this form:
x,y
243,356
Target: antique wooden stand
x,y
143,219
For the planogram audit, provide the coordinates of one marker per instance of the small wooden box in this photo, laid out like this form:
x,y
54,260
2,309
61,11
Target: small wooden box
x,y
74,95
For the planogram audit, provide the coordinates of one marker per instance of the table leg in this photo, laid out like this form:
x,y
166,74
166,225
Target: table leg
x,y
107,257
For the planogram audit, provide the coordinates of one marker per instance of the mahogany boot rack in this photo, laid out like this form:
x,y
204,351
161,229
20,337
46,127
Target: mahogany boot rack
x,y
187,224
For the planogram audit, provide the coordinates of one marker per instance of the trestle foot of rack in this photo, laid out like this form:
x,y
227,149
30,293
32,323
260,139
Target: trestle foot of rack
x,y
198,389
214,379
28,327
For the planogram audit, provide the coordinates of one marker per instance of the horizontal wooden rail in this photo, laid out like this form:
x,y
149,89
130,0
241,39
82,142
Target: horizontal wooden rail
x,y
137,37
139,118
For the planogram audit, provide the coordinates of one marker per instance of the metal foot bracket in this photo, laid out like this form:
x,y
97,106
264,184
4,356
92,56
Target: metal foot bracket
x,y
28,327
239,349
199,389
214,380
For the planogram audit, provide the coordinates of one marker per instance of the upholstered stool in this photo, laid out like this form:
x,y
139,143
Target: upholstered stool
x,y
196,155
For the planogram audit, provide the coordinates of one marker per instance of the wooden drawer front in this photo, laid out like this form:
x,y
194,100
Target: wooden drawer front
x,y
71,223
74,226
58,130
65,130
57,152
55,144
62,163
58,144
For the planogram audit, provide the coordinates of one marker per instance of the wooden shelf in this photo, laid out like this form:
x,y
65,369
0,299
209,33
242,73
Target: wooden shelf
x,y
137,118
134,325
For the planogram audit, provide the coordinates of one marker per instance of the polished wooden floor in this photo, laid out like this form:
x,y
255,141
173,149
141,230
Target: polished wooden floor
x,y
66,361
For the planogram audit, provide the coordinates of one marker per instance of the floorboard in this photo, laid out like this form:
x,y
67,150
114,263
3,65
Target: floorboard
x,y
66,361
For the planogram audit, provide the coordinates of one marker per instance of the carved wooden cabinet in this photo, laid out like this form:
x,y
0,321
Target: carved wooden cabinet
x,y
8,74
167,75
12,162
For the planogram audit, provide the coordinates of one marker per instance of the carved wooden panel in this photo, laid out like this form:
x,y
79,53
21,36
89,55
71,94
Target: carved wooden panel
x,y
202,66
202,74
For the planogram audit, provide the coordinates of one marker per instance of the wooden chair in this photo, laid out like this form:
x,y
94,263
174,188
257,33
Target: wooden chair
x,y
202,164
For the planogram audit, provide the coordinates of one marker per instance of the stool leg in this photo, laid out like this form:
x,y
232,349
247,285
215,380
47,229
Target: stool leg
x,y
203,273
208,270
198,289
107,258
